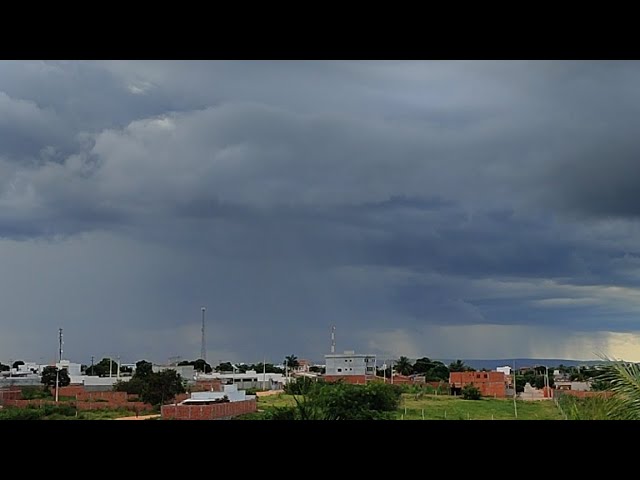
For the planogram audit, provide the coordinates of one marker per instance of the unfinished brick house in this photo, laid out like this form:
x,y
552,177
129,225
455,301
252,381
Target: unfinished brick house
x,y
490,384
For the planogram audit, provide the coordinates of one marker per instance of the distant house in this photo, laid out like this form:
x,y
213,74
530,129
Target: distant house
x,y
575,386
490,384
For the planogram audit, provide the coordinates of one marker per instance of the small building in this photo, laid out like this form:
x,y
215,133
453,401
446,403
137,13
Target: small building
x,y
249,379
490,384
187,372
506,370
575,386
212,405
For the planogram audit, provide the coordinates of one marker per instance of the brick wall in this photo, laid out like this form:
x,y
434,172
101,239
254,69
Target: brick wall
x,y
490,384
208,412
116,397
80,405
69,391
583,394
355,379
207,386
10,394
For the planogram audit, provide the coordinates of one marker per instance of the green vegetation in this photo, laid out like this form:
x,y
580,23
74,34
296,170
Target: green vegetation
x,y
199,365
331,401
35,393
469,392
155,388
49,377
440,407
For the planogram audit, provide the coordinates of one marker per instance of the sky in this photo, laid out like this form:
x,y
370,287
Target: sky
x,y
449,209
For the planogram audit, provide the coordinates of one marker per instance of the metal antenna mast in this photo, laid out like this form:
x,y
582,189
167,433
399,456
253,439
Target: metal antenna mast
x,y
333,339
59,361
203,347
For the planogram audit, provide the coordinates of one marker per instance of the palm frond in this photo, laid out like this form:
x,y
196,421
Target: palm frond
x,y
625,385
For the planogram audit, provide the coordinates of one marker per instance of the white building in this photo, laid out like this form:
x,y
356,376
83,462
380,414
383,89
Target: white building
x,y
249,379
229,391
506,370
350,363
187,372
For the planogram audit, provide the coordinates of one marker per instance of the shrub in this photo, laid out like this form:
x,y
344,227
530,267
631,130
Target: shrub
x,y
469,392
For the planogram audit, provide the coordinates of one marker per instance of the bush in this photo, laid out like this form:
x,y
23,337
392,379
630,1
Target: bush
x,y
33,393
469,392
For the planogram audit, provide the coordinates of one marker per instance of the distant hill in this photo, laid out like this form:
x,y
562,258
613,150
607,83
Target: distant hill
x,y
522,362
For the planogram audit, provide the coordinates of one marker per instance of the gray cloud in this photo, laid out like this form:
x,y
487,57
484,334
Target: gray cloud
x,y
401,201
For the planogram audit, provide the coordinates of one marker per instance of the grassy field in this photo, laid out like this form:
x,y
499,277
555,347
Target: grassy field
x,y
444,407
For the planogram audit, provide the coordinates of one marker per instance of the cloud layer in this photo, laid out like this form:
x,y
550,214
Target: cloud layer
x,y
447,209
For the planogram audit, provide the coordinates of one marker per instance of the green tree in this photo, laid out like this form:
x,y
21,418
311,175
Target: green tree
x,y
291,362
49,377
342,401
520,383
433,370
161,387
469,392
103,368
267,368
460,366
143,369
316,369
4,368
133,386
403,366
17,363
201,366
224,367
600,385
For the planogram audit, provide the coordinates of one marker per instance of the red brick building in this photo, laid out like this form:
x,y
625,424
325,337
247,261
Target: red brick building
x,y
490,384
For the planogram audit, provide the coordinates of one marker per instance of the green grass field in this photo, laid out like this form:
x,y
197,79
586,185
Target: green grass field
x,y
444,407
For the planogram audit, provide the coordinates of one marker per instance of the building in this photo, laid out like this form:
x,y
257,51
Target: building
x,y
349,367
212,405
231,392
490,384
187,372
506,370
249,379
575,386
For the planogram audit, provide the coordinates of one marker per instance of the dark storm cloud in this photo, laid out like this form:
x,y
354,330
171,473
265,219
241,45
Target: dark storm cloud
x,y
289,196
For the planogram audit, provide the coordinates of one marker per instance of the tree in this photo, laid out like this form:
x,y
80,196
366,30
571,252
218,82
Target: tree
x,y
143,369
201,366
469,392
315,369
4,368
49,377
161,387
291,361
403,366
432,370
17,363
459,366
125,369
600,385
267,368
520,383
103,368
224,367
133,387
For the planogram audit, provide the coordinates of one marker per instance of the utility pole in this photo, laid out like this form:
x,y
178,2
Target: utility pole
x,y
515,406
203,347
264,372
59,361
91,364
118,372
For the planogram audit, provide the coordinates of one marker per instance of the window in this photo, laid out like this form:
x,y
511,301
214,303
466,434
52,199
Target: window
x,y
346,360
486,375
339,369
477,375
